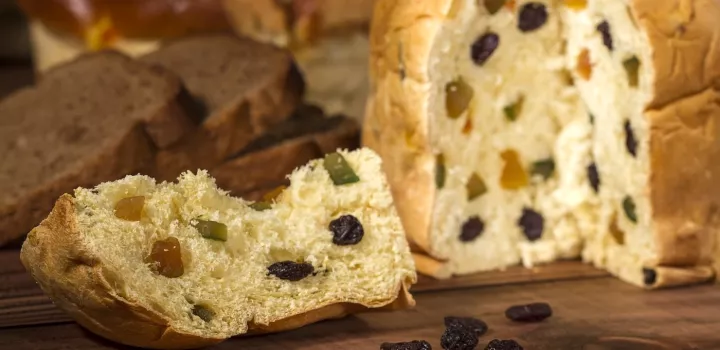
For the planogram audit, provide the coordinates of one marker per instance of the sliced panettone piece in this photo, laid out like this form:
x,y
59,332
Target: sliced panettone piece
x,y
182,265
509,137
240,86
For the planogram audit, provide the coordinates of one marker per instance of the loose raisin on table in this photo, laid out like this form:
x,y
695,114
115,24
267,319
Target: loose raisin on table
x,y
533,312
532,224
347,230
632,68
411,345
493,6
339,170
440,171
475,187
475,325
533,15
130,208
458,338
458,95
604,29
203,312
472,229
544,168
630,140
498,344
649,276
211,229
483,47
290,270
513,110
513,175
593,177
628,205
583,65
166,258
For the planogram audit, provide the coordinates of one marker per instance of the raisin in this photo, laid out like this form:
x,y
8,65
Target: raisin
x,y
513,110
411,345
628,205
472,229
475,187
347,230
458,338
493,6
593,177
630,140
166,258
532,224
575,4
440,171
533,15
130,208
211,229
649,276
513,175
632,68
458,95
604,29
290,270
498,344
203,312
583,65
477,326
533,312
483,47
544,168
339,170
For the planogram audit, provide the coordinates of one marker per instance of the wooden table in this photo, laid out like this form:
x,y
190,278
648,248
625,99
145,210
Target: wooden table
x,y
592,311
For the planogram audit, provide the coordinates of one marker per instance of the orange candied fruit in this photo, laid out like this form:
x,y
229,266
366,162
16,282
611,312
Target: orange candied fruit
x,y
130,208
584,66
166,258
575,4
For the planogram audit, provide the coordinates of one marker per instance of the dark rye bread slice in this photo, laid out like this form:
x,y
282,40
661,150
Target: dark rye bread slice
x,y
242,87
93,119
265,163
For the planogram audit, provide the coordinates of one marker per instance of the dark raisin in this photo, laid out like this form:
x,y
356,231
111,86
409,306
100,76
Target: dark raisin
x,y
458,338
479,327
533,15
593,177
628,205
483,47
440,172
630,140
497,344
347,230
472,229
534,312
544,168
290,270
411,345
532,224
203,312
649,276
604,29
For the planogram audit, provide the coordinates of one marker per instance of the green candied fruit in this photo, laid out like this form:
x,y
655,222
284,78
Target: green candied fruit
x,y
340,171
632,68
211,229
458,95
440,171
260,206
203,312
628,205
475,187
544,168
512,111
493,6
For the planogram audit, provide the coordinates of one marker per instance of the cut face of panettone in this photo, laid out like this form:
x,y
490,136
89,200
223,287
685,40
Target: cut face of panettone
x,y
524,132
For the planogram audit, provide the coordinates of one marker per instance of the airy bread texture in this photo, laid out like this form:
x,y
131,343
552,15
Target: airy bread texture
x,y
530,131
91,263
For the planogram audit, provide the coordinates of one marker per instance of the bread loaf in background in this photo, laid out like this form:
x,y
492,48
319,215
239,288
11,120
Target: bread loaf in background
x,y
531,131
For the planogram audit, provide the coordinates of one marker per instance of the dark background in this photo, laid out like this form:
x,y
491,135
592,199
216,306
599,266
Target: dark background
x,y
15,54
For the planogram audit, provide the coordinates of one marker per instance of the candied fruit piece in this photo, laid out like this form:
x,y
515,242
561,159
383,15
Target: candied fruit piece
x,y
544,168
203,312
617,234
471,229
593,177
513,110
510,5
483,47
260,206
273,194
475,187
346,230
575,4
130,208
440,171
166,258
468,125
604,29
290,270
630,140
632,68
458,95
513,175
533,15
532,224
211,229
649,276
584,66
493,6
628,205
340,171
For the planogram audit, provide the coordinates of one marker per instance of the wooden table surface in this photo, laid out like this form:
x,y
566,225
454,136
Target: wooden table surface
x,y
592,311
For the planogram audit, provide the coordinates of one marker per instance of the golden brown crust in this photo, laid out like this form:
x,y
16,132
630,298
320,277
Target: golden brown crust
x,y
431,267
685,276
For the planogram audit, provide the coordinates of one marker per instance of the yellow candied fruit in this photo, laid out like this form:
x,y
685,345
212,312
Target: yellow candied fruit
x,y
617,234
101,34
584,66
575,4
166,258
130,208
458,95
513,175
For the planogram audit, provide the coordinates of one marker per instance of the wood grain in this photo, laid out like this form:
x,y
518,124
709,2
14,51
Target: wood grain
x,y
585,313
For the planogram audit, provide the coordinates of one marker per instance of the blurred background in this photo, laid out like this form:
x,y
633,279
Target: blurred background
x,y
15,53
